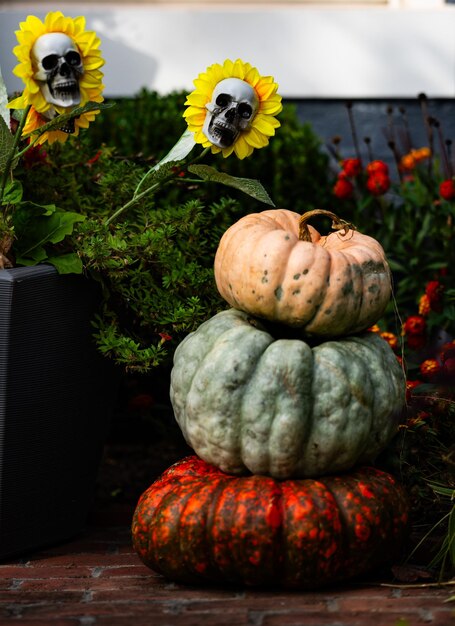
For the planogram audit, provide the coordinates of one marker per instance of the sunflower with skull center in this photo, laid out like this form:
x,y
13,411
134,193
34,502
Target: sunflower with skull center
x,y
59,63
233,109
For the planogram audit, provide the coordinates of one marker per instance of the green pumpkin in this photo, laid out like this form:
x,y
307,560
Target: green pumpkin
x,y
247,402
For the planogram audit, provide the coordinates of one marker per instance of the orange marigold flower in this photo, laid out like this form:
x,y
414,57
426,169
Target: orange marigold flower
x,y
414,325
374,329
391,339
424,305
429,368
420,154
407,162
412,384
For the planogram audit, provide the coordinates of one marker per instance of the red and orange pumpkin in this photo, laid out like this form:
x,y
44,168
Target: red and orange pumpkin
x,y
196,524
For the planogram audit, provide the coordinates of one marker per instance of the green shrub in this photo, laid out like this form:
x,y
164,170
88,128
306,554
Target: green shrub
x,y
155,262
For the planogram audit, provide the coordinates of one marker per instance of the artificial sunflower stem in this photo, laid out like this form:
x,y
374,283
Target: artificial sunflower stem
x,y
137,196
12,154
135,199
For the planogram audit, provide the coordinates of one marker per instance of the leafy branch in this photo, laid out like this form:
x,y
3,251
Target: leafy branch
x,y
165,171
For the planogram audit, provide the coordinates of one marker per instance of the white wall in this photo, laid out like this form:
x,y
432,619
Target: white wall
x,y
329,51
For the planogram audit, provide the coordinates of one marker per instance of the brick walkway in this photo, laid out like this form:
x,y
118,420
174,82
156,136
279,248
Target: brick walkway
x,y
96,579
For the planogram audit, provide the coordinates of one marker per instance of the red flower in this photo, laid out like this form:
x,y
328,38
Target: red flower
x,y
414,325
448,351
377,167
447,189
343,189
164,337
378,183
429,368
434,290
351,167
94,158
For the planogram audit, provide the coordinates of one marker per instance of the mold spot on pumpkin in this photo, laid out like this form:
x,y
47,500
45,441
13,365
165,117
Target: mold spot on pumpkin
x,y
296,276
278,292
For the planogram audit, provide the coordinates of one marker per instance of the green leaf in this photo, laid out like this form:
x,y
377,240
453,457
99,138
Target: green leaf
x,y
37,226
66,263
181,150
13,192
396,267
62,120
249,186
427,220
6,144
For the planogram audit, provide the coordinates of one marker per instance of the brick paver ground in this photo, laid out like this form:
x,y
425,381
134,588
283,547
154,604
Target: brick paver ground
x,y
96,579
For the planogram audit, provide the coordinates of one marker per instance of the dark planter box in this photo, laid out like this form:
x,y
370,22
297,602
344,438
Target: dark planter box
x,y
54,407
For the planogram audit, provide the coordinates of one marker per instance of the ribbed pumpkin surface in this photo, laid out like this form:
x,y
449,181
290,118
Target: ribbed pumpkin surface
x,y
247,402
331,286
196,524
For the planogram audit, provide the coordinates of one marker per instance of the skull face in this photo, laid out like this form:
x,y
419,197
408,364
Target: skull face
x,y
58,67
231,110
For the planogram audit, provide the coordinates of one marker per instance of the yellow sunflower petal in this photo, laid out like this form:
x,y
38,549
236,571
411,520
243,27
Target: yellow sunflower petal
x,y
255,138
265,124
225,151
197,99
272,107
242,149
17,103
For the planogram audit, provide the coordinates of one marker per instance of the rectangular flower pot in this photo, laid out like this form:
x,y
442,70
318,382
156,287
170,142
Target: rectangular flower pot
x,y
55,403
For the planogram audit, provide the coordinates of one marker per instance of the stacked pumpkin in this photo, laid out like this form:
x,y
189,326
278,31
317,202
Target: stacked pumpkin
x,y
285,398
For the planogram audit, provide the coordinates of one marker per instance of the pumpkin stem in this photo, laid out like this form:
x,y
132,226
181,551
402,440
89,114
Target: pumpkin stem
x,y
337,223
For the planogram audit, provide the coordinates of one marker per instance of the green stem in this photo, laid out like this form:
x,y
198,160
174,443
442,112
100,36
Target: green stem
x,y
135,199
137,196
12,154
27,148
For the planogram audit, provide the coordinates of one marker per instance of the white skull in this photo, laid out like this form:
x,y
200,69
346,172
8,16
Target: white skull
x,y
58,67
231,110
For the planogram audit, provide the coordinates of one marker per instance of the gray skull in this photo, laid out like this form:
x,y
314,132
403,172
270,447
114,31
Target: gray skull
x,y
58,68
231,110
